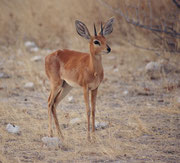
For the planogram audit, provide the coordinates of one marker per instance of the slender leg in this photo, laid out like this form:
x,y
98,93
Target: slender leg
x,y
93,106
50,117
66,88
57,123
55,89
86,98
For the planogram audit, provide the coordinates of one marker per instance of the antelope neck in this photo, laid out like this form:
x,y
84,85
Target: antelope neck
x,y
95,59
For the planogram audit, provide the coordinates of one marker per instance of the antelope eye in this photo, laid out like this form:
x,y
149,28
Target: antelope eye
x,y
97,42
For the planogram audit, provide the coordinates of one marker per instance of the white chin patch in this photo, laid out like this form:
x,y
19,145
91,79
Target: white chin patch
x,y
104,52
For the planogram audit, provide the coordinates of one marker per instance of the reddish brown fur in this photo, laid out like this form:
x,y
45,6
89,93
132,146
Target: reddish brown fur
x,y
66,69
87,71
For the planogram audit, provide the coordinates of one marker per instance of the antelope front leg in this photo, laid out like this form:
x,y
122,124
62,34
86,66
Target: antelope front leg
x,y
50,116
93,106
50,122
86,98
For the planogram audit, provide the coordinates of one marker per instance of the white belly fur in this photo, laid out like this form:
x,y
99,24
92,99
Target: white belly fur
x,y
91,86
72,83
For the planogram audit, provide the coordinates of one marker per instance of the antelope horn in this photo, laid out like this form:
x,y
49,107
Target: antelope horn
x,y
95,33
101,29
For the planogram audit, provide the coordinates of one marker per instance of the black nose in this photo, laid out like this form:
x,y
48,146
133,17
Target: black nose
x,y
108,49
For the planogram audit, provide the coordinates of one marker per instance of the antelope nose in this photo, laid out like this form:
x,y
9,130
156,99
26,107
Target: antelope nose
x,y
108,49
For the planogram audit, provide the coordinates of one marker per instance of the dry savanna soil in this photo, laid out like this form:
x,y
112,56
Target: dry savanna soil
x,y
138,105
141,113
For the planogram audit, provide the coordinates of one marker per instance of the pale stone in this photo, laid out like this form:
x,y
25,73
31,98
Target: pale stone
x,y
70,99
34,49
51,142
125,92
12,128
100,125
29,85
152,66
4,75
36,58
116,70
29,44
74,120
153,69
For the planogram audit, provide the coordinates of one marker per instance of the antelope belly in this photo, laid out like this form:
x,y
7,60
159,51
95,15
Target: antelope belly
x,y
72,83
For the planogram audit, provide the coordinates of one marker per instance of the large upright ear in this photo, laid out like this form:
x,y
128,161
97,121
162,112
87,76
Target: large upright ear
x,y
82,29
108,28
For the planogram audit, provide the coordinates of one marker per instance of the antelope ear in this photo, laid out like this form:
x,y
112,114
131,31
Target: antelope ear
x,y
108,28
82,30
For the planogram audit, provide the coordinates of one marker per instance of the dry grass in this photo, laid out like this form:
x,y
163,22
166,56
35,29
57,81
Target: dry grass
x,y
137,124
143,125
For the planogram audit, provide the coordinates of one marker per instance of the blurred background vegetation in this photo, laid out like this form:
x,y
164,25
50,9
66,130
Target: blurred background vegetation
x,y
149,24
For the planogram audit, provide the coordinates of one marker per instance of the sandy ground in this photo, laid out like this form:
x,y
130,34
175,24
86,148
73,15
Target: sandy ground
x,y
142,114
141,111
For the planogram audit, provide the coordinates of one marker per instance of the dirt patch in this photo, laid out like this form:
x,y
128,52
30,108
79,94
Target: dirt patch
x,y
142,124
141,112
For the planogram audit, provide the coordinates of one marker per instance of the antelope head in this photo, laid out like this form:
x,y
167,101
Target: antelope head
x,y
97,42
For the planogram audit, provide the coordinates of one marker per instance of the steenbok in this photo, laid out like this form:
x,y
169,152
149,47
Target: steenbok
x,y
67,68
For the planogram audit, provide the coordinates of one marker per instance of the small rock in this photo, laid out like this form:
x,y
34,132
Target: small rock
x,y
153,69
36,58
100,125
51,142
75,120
116,70
4,76
12,128
34,49
125,92
152,66
29,85
70,99
29,44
